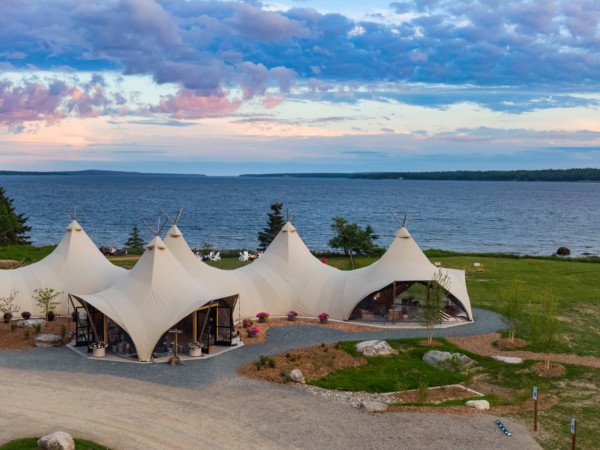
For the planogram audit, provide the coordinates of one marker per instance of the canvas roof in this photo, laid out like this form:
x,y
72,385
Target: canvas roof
x,y
156,294
75,265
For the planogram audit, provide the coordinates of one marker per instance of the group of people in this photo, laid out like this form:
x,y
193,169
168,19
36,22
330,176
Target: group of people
x,y
112,251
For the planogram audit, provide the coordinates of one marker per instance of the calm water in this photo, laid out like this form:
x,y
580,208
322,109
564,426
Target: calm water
x,y
532,218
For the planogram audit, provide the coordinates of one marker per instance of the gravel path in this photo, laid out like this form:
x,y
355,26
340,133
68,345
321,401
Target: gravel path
x,y
205,403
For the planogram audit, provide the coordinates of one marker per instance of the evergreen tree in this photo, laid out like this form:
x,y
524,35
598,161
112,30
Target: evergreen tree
x,y
134,241
351,238
274,226
12,225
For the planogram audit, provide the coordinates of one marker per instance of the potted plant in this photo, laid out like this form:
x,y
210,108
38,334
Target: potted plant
x,y
263,317
247,323
292,315
99,349
7,316
26,315
324,317
252,331
195,349
51,316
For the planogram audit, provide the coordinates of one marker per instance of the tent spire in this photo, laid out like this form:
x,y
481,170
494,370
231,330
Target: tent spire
x,y
158,229
173,221
74,214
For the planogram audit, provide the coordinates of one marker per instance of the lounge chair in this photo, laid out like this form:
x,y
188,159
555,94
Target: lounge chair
x,y
244,256
216,257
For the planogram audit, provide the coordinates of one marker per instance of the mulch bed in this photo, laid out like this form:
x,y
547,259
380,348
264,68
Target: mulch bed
x,y
426,343
434,395
16,340
314,362
555,370
507,344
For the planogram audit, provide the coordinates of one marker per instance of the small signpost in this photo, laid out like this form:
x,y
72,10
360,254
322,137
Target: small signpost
x,y
573,432
175,360
535,407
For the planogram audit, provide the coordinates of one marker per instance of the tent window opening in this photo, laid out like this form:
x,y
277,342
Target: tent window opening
x,y
89,326
119,342
165,347
214,325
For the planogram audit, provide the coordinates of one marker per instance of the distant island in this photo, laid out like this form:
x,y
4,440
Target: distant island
x,y
459,175
94,173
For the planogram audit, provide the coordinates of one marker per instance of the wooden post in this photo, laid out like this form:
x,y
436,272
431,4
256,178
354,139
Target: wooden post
x,y
394,305
535,408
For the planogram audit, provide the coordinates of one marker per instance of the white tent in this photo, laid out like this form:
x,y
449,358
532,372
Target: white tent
x,y
288,277
156,294
75,265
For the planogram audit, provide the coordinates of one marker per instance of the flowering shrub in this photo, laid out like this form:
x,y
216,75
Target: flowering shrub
x,y
254,330
247,323
101,344
194,345
323,316
263,315
292,313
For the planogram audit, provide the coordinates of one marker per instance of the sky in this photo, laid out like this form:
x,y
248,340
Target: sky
x,y
226,88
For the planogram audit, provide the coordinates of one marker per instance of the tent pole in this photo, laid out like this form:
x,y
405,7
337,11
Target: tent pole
x,y
91,322
394,304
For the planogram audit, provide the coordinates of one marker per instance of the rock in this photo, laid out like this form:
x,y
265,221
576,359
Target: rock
x,y
563,251
58,440
31,323
482,405
374,348
443,360
296,376
373,406
48,340
508,359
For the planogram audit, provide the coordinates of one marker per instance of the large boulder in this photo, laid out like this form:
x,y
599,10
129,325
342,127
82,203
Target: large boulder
x,y
482,405
48,340
563,251
297,376
31,323
59,440
374,348
446,360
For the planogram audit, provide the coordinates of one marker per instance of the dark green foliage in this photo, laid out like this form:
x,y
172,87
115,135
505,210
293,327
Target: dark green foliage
x,y
134,241
12,225
31,443
351,238
274,225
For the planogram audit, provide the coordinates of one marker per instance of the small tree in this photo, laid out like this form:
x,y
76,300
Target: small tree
x,y
274,225
135,242
12,225
431,312
512,306
45,299
8,306
544,323
351,238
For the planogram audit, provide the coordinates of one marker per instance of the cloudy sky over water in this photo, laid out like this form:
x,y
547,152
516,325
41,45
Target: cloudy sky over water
x,y
225,88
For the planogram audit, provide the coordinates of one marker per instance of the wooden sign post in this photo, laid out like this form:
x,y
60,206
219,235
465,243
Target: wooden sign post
x,y
535,407
573,432
175,360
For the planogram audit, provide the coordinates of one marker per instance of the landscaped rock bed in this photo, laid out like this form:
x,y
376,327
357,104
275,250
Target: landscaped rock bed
x,y
17,340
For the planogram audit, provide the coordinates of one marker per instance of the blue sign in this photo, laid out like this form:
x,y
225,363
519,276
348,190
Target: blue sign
x,y
572,426
535,392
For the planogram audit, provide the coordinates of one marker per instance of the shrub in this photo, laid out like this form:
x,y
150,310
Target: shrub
x,y
423,390
26,334
63,331
51,315
271,363
7,316
38,328
13,326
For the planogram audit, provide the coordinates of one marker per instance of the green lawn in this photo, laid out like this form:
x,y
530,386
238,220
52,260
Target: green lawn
x,y
577,390
31,443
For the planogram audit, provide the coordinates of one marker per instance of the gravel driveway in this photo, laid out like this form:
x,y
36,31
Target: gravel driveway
x,y
205,403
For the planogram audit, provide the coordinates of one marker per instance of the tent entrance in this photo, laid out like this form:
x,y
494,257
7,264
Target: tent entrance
x,y
400,302
214,325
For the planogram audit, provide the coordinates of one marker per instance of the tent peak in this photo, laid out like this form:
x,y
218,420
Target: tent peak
x,y
288,227
402,233
174,231
74,226
157,242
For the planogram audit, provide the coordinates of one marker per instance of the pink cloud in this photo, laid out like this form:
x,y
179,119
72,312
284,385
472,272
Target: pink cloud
x,y
271,101
190,104
30,102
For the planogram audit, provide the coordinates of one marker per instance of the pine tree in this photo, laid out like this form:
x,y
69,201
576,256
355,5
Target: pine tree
x,y
351,238
274,226
12,225
134,241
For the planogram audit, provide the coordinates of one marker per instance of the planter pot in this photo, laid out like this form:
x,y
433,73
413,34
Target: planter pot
x,y
251,335
324,320
262,320
291,318
405,317
99,352
73,342
195,352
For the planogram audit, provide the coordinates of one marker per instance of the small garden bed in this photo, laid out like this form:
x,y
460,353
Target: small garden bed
x,y
23,338
31,443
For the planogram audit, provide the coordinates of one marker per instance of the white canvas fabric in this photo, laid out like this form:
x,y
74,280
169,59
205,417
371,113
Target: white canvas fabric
x,y
288,277
154,296
75,265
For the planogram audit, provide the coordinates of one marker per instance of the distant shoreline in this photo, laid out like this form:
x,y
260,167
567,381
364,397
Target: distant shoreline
x,y
563,175
97,173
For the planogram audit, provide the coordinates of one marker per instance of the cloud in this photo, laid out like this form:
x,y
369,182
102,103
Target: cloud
x,y
189,104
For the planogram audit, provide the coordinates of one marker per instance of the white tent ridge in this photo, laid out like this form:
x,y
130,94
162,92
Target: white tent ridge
x,y
75,265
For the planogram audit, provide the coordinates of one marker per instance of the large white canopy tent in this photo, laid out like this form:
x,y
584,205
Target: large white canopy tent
x,y
75,265
157,293
288,277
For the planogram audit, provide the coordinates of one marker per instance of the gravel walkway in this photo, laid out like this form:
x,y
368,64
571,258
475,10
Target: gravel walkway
x,y
205,403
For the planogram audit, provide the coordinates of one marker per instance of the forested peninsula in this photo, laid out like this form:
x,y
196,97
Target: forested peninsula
x,y
459,175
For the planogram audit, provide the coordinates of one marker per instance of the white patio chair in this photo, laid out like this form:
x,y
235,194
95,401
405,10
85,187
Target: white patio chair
x,y
216,257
